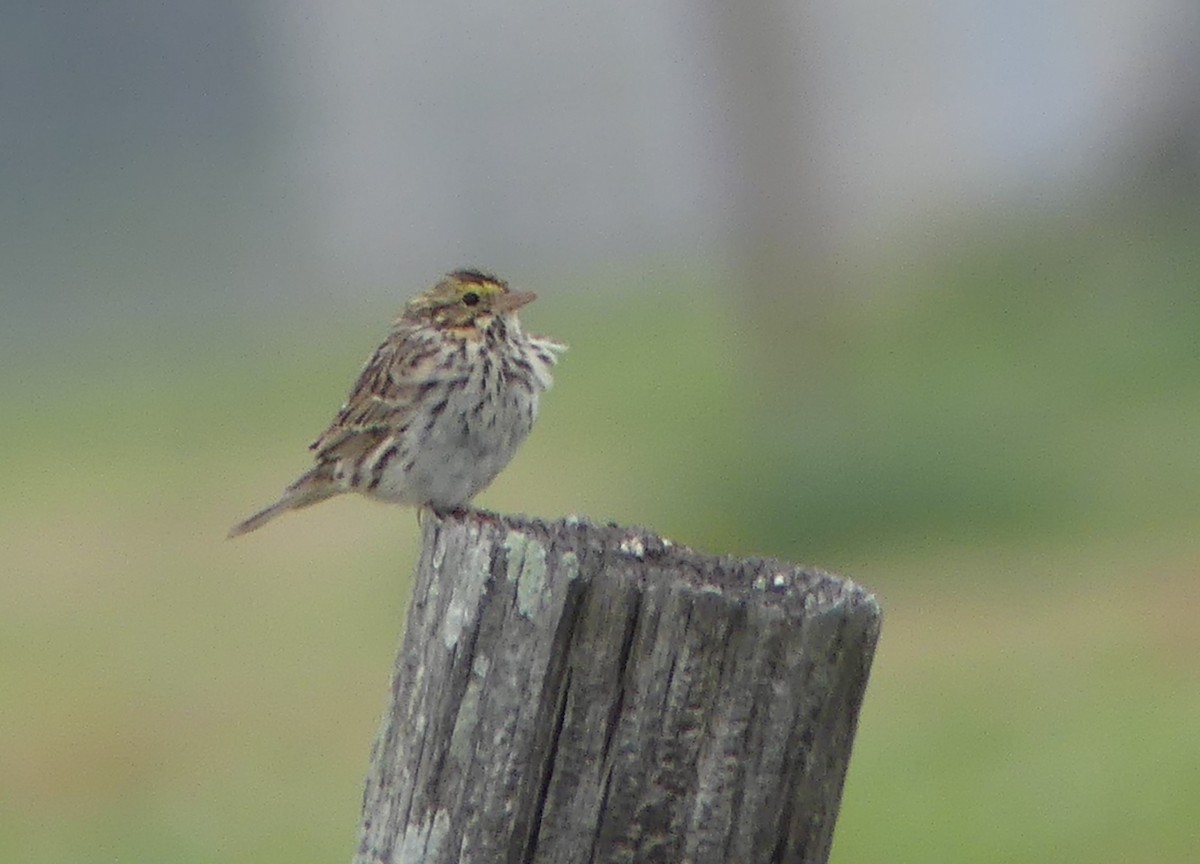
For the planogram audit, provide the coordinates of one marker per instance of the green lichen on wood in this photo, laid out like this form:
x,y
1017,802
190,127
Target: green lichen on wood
x,y
569,566
527,567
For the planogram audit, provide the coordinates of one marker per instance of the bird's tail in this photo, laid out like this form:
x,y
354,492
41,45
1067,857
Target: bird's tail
x,y
308,490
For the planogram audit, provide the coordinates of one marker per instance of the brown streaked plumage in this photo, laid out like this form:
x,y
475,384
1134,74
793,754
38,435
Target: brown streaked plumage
x,y
440,407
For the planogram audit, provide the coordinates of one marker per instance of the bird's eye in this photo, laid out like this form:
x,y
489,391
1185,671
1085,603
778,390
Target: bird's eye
x,y
470,298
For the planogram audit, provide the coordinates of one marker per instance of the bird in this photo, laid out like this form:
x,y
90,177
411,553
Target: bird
x,y
439,408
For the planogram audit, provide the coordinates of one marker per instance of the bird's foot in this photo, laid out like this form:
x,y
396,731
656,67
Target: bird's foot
x,y
441,513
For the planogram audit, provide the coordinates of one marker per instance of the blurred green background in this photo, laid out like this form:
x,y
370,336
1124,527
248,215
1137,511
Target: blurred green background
x,y
938,337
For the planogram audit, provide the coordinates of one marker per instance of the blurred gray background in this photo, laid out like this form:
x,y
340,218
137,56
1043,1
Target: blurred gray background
x,y
218,155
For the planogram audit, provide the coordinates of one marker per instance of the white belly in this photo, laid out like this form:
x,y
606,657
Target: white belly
x,y
450,458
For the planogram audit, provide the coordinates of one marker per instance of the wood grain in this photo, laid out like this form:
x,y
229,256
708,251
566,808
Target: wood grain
x,y
568,692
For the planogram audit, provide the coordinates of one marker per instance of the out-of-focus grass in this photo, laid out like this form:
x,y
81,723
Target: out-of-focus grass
x,y
1006,453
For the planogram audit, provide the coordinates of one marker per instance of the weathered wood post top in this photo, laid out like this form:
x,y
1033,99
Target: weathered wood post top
x,y
569,692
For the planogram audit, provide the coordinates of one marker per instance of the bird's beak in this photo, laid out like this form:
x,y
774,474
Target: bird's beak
x,y
513,300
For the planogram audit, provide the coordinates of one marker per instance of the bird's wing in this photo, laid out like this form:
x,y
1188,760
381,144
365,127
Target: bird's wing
x,y
389,390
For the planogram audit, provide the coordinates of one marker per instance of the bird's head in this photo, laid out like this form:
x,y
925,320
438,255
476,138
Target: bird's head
x,y
466,298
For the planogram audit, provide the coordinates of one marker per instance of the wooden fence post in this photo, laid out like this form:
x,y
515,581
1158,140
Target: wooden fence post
x,y
568,692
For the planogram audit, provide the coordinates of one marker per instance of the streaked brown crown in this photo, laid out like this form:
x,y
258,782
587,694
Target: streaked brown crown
x,y
465,298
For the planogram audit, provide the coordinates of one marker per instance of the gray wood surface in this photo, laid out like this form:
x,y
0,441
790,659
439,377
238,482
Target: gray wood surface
x,y
567,692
